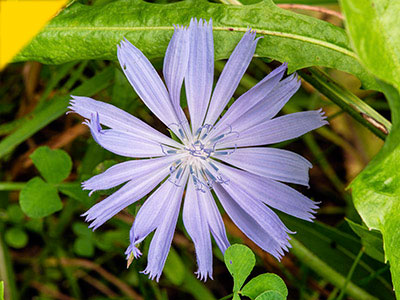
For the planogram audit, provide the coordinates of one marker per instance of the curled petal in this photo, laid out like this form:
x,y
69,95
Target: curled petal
x,y
122,142
117,119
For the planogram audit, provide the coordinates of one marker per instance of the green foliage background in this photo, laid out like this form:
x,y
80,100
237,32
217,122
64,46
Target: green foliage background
x,y
351,251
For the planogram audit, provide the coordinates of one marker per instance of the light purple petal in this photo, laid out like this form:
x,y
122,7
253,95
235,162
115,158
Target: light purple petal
x,y
200,72
175,65
116,118
131,192
161,242
271,192
272,163
195,221
215,221
231,76
125,143
126,171
245,102
270,106
146,82
279,129
151,214
254,219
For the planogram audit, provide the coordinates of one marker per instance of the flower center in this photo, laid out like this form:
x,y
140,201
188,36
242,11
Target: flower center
x,y
199,150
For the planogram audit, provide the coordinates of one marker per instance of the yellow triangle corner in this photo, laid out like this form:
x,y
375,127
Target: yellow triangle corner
x,y
20,21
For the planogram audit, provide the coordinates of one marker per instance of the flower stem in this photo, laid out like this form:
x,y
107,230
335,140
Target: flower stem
x,y
350,274
16,186
347,101
325,271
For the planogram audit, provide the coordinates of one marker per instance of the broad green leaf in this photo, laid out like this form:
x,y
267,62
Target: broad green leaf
x,y
374,28
53,165
376,192
262,283
239,260
16,237
54,109
174,268
39,199
93,32
271,295
371,240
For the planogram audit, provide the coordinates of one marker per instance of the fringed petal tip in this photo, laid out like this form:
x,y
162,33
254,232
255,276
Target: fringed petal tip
x,y
323,116
201,22
203,275
152,275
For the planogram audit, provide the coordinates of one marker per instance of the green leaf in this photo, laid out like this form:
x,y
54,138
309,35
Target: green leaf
x,y
84,247
39,199
82,230
76,193
16,238
376,192
15,213
53,165
371,240
262,283
338,249
374,27
239,260
93,32
174,268
271,295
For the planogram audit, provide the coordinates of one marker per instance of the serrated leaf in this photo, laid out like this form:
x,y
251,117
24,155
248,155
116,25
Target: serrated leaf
x,y
39,199
53,165
16,238
93,32
239,260
262,283
271,295
371,240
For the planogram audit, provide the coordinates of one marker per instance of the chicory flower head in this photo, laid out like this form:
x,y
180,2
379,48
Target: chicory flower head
x,y
217,157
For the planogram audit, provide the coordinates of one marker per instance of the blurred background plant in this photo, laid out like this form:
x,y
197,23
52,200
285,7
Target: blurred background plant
x,y
47,251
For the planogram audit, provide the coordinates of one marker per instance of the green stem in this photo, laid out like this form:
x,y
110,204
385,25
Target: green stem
x,y
16,186
349,102
7,273
226,297
350,274
325,271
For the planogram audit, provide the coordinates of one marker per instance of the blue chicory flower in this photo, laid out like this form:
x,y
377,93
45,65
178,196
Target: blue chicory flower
x,y
215,155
